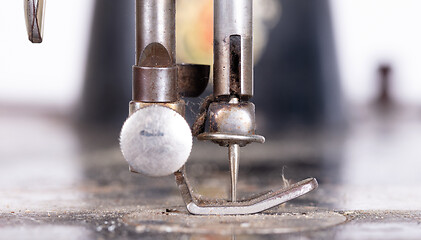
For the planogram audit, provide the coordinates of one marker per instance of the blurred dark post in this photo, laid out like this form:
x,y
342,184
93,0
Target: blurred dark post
x,y
384,98
107,87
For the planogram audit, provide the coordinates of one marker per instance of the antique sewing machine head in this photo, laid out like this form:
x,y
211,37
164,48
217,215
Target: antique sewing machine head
x,y
156,140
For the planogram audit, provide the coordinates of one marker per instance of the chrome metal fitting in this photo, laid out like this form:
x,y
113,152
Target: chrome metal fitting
x,y
231,122
235,118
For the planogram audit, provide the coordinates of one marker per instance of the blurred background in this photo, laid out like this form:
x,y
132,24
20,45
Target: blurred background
x,y
337,92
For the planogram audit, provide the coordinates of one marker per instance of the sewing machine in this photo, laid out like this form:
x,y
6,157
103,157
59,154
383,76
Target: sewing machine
x,y
156,140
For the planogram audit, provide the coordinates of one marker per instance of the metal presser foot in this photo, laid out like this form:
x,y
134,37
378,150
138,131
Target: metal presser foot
x,y
196,205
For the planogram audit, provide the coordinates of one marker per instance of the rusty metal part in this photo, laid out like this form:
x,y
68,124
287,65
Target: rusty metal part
x,y
156,141
233,48
178,106
192,79
155,23
34,17
199,124
250,206
231,124
155,84
232,118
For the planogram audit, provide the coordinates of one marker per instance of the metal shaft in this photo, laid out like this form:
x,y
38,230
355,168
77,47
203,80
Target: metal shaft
x,y
155,23
155,72
234,157
233,48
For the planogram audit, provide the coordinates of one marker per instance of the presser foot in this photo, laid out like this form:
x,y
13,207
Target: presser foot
x,y
199,206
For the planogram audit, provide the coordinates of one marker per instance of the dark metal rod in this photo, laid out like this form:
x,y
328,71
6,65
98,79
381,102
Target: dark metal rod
x,y
233,18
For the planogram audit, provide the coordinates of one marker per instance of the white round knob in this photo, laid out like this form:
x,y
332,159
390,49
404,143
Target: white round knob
x,y
156,141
